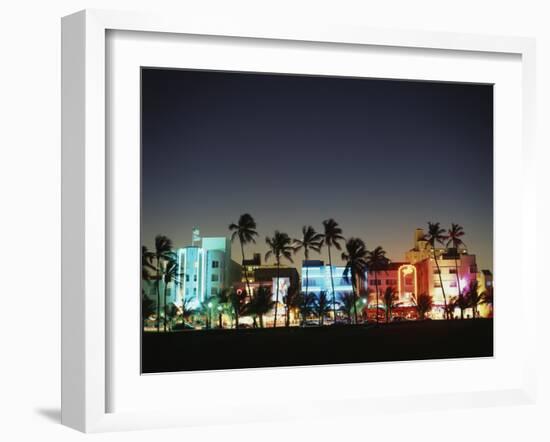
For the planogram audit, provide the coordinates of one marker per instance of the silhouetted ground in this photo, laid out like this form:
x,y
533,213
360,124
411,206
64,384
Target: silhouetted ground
x,y
223,349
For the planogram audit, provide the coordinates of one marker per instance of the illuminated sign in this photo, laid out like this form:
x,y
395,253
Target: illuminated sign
x,y
284,284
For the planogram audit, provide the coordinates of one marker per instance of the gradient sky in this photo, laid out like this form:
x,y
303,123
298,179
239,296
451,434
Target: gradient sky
x,y
380,157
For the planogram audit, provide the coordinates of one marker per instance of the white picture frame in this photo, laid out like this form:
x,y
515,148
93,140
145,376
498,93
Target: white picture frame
x,y
85,203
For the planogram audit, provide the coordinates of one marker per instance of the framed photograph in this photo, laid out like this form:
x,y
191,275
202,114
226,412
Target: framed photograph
x,y
250,209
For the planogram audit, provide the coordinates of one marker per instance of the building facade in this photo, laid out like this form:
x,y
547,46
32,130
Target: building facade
x,y
204,271
443,273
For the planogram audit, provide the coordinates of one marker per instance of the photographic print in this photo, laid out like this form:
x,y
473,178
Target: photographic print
x,y
301,220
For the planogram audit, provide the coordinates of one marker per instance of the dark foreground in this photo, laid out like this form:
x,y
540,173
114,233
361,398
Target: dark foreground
x,y
247,348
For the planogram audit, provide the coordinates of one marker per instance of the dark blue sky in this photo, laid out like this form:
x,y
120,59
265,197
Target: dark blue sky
x,y
380,157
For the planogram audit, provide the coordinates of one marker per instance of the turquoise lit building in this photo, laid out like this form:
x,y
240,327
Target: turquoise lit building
x,y
316,276
204,271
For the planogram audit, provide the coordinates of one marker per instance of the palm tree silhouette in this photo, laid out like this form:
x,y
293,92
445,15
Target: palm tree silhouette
x,y
234,300
171,275
454,237
474,298
436,235
147,307
245,230
280,246
311,240
462,303
451,306
332,237
423,304
305,303
147,263
355,257
390,296
292,301
321,306
260,304
487,298
346,301
377,262
163,253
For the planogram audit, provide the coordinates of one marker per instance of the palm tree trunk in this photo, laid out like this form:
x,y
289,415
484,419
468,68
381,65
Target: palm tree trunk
x,y
158,293
261,321
457,278
245,272
165,311
376,284
332,284
353,287
276,295
441,283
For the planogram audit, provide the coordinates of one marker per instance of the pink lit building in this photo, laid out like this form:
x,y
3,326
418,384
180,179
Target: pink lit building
x,y
441,277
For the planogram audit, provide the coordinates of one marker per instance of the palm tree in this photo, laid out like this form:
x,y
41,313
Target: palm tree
x,y
454,237
487,298
321,306
235,301
162,253
292,300
346,302
171,274
474,298
170,313
436,235
423,304
311,240
377,262
280,246
355,257
451,306
245,230
390,296
332,237
186,311
305,303
147,263
462,303
260,304
147,307
223,304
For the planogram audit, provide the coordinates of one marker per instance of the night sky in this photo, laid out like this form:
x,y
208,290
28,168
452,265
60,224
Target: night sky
x,y
380,157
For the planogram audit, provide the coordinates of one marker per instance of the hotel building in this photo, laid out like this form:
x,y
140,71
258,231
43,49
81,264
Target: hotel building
x,y
316,278
452,274
259,274
204,271
417,274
